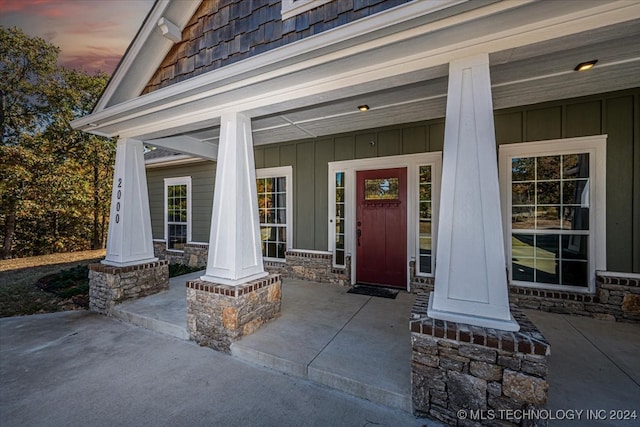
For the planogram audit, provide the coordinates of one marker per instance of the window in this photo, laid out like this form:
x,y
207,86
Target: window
x,y
275,211
291,8
338,255
425,221
177,194
554,203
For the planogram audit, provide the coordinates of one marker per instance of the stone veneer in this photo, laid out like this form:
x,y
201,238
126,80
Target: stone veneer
x,y
616,298
419,284
218,315
298,264
194,254
457,367
317,267
109,285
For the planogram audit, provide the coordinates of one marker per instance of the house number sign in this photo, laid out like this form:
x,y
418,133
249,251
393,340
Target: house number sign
x,y
118,203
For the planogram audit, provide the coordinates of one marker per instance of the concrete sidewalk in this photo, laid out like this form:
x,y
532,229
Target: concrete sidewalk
x,y
79,368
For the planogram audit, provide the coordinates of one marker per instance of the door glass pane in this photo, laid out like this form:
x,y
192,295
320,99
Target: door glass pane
x,y
338,257
425,254
381,189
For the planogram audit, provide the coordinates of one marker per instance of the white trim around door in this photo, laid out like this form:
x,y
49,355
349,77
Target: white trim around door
x,y
347,192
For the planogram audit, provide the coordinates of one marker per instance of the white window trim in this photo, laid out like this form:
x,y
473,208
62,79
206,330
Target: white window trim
x,y
287,173
596,146
410,161
184,180
291,8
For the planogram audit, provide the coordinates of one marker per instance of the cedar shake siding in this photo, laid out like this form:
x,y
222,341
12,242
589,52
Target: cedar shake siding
x,y
226,31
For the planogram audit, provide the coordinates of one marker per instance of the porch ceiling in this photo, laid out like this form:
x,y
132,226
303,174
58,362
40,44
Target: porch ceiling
x,y
531,74
403,78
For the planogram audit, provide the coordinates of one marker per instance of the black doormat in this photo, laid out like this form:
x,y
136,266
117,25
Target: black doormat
x,y
374,291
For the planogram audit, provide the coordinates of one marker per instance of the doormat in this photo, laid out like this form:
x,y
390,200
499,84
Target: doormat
x,y
373,291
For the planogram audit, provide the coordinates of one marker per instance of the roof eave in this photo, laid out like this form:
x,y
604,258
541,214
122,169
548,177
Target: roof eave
x,y
145,53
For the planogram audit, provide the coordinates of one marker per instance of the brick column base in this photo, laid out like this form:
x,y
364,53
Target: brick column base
x,y
110,285
488,376
218,315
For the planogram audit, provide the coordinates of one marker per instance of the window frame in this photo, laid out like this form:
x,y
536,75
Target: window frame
x,y
596,147
184,180
285,172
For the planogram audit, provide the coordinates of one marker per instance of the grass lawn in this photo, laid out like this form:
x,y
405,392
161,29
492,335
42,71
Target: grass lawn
x,y
50,283
27,285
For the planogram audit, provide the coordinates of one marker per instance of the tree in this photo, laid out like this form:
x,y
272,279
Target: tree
x,y
73,96
54,181
26,68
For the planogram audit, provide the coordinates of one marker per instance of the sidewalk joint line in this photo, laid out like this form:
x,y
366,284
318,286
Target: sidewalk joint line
x,y
603,353
338,333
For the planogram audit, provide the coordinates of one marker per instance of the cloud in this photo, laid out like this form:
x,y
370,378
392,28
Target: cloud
x,y
94,26
35,7
92,62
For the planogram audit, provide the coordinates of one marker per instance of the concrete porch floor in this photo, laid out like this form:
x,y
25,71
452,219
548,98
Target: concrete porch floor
x,y
323,334
361,345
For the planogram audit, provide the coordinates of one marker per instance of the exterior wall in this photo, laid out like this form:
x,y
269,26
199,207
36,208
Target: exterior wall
x,y
222,32
615,114
202,183
310,158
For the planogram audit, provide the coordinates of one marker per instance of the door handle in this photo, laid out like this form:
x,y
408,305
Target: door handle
x,y
358,234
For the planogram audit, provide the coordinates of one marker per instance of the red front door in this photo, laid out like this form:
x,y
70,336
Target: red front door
x,y
381,227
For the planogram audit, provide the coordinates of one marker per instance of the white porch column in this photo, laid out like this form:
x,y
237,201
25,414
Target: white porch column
x,y
130,241
470,276
235,256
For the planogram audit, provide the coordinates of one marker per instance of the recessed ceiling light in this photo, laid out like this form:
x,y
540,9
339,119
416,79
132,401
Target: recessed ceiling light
x,y
584,66
363,107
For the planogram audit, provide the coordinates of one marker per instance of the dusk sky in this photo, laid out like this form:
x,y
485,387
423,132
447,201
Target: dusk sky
x,y
91,34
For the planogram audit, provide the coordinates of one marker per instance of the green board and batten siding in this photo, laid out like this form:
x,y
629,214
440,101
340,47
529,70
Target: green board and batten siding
x,y
202,182
616,114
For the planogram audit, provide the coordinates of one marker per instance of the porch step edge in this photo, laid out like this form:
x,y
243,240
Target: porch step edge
x,y
152,324
266,360
362,390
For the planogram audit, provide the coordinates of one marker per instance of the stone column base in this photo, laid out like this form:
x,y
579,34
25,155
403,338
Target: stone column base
x,y
110,285
218,315
468,375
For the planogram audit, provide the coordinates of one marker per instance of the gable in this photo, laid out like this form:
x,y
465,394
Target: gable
x,y
222,32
